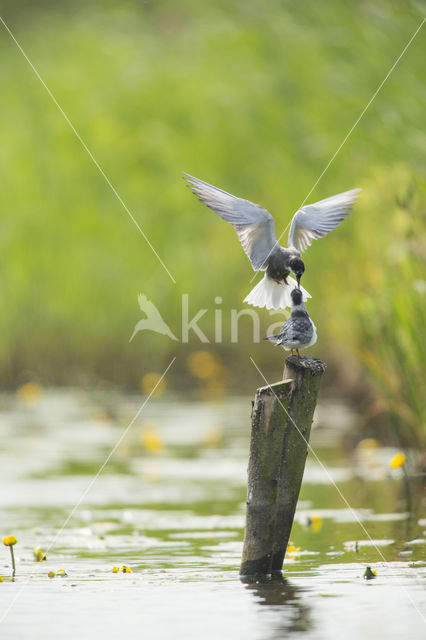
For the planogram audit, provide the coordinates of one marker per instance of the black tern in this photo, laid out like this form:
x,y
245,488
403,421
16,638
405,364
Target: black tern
x,y
256,231
298,332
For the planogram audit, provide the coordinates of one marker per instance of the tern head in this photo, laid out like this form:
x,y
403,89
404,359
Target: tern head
x,y
296,296
297,267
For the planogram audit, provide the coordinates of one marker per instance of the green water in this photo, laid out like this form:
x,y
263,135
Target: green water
x,y
173,511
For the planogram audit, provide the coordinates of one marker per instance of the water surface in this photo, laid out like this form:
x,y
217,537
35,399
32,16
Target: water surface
x,y
170,504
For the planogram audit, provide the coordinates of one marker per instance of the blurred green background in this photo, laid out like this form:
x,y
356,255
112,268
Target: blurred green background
x,y
254,97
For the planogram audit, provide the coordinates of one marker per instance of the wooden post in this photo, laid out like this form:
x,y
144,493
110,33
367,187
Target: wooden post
x,y
305,375
281,423
267,434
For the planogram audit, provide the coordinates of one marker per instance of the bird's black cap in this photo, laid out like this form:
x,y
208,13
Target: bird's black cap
x,y
297,266
296,296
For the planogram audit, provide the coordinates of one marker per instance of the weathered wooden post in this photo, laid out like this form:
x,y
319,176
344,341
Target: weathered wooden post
x,y
281,423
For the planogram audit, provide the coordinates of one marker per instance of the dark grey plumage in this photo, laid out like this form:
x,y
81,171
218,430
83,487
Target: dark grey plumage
x,y
298,332
297,329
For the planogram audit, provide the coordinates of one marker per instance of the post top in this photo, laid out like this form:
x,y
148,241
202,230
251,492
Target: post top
x,y
275,388
306,363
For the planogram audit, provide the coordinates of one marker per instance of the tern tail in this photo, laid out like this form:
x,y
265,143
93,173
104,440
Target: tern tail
x,y
268,293
276,339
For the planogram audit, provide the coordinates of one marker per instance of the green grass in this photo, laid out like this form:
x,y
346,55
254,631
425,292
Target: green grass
x,y
254,99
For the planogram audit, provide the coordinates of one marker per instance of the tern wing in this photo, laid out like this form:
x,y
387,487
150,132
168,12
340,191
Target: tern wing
x,y
254,225
300,329
317,220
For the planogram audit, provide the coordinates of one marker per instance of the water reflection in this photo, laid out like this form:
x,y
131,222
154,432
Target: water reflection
x,y
284,599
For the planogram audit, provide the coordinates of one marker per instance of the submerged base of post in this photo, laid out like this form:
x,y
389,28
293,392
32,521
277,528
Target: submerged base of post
x,y
281,423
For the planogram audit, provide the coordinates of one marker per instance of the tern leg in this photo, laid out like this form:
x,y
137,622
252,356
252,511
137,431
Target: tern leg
x,y
298,354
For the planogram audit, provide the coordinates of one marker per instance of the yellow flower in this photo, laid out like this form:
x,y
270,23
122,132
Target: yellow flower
x,y
62,573
149,439
315,523
292,550
9,541
1,579
51,574
125,569
397,461
115,569
29,393
368,443
204,364
39,555
152,382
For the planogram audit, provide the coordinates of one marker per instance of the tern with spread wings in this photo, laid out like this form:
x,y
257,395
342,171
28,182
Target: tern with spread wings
x,y
256,231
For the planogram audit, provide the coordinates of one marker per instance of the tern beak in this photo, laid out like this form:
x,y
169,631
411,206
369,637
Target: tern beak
x,y
298,280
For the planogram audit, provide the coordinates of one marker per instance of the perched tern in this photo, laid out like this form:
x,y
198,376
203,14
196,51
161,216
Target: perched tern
x,y
298,332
